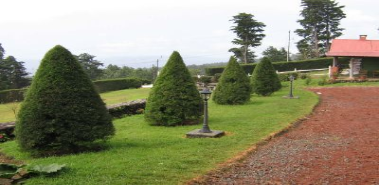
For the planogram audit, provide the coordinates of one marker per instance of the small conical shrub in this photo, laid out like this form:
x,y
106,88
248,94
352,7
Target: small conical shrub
x,y
61,111
174,98
233,86
264,80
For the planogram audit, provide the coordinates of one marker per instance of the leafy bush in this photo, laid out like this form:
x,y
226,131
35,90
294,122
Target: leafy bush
x,y
303,76
145,81
206,79
323,81
12,95
16,173
117,84
308,80
286,66
264,80
62,110
174,98
216,77
234,85
283,77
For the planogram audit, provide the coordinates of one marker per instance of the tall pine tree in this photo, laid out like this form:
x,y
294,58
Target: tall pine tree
x,y
321,23
13,74
249,34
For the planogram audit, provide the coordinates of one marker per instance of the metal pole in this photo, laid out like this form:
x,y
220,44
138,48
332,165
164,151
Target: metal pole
x,y
288,49
157,67
291,95
205,128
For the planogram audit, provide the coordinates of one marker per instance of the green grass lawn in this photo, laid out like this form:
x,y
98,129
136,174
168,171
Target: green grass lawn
x,y
143,154
7,114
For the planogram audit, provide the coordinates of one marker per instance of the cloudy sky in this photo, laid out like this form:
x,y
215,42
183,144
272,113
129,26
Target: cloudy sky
x,y
137,33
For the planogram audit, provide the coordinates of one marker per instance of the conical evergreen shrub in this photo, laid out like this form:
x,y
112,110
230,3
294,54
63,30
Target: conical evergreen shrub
x,y
233,86
62,112
174,98
264,80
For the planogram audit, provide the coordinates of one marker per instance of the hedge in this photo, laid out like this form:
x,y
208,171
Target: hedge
x,y
117,84
283,77
17,95
285,66
12,95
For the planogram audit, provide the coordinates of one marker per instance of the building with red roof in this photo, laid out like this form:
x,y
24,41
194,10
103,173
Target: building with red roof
x,y
364,55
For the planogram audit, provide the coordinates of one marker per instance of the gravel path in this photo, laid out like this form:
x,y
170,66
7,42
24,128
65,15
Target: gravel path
x,y
337,144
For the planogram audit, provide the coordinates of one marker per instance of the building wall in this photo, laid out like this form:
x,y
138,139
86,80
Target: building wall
x,y
370,64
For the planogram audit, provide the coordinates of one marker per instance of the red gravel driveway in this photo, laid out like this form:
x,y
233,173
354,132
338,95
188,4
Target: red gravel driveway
x,y
337,144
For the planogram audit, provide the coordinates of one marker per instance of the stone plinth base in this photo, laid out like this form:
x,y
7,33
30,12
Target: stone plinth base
x,y
197,134
288,97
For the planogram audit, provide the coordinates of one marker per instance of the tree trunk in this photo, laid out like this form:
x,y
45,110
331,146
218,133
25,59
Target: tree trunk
x,y
245,54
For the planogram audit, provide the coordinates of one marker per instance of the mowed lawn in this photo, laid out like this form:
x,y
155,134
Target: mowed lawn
x,y
143,154
7,114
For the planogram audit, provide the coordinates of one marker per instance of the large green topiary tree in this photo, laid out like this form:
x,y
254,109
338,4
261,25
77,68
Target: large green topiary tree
x,y
174,98
233,86
62,112
264,80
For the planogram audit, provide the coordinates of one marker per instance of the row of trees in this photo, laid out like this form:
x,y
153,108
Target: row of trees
x,y
68,115
94,69
13,74
320,24
175,100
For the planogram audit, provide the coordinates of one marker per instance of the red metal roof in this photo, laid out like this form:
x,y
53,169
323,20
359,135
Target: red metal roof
x,y
354,48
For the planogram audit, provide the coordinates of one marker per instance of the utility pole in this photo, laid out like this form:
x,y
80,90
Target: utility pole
x,y
158,66
288,49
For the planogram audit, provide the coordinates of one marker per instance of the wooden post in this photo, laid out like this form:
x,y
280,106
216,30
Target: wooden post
x,y
335,61
351,68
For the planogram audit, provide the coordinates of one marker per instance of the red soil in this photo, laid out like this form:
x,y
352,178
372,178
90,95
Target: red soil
x,y
337,144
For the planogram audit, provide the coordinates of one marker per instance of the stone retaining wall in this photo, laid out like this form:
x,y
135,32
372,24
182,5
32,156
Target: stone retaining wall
x,y
116,111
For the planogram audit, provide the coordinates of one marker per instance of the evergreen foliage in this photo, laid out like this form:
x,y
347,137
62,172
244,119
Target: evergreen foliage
x,y
13,74
249,34
320,24
90,65
234,85
174,98
264,80
61,111
275,55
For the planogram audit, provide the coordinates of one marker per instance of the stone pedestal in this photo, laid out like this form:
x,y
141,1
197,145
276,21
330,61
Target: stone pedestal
x,y
289,97
197,134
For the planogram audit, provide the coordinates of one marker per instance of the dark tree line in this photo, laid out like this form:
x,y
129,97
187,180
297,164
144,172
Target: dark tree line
x,y
13,74
95,70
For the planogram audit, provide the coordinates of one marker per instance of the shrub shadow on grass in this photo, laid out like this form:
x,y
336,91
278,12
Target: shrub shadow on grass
x,y
253,102
120,144
88,148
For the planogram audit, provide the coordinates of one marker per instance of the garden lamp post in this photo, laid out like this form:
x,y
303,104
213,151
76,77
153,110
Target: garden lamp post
x,y
290,96
291,86
205,131
205,93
